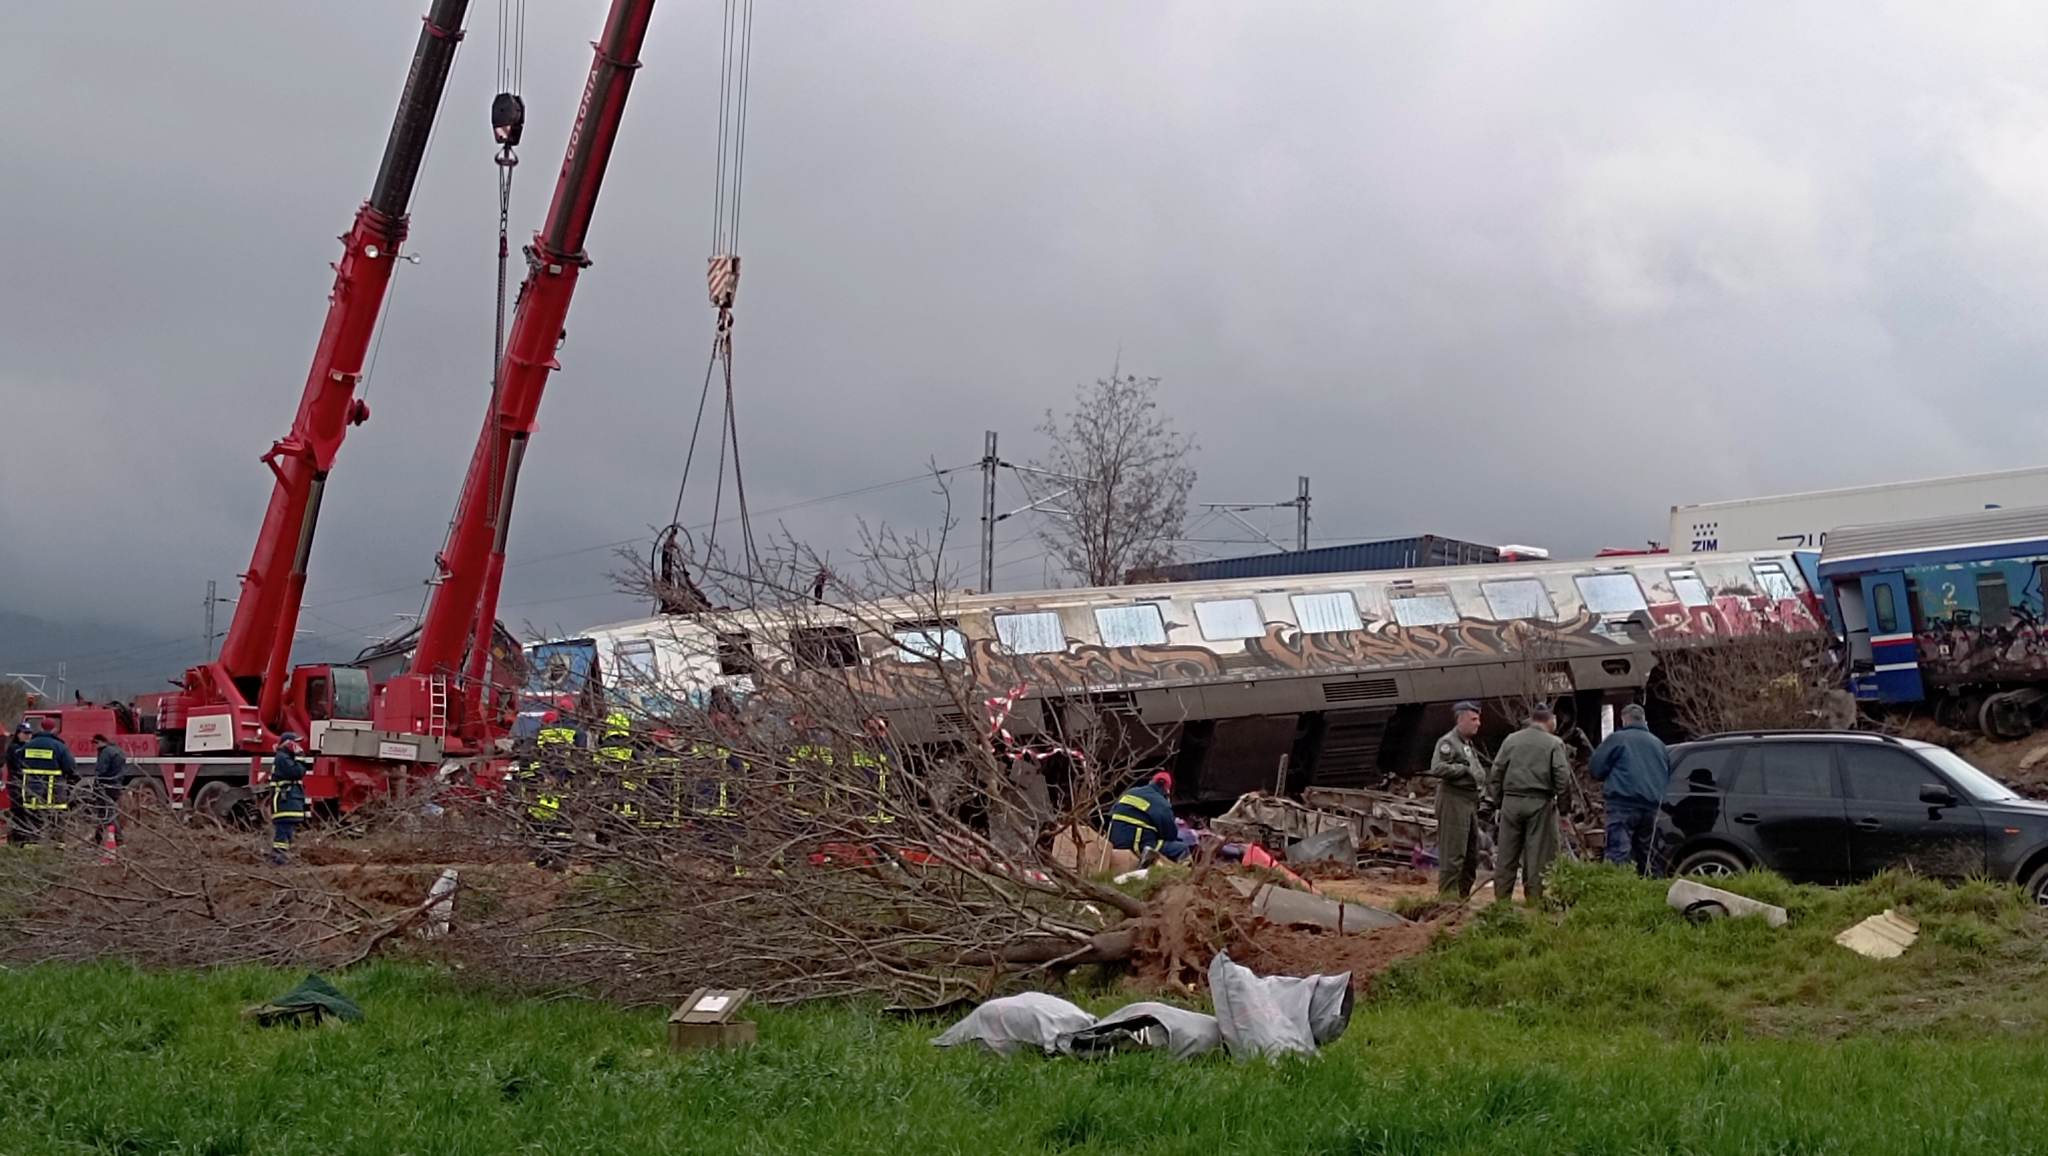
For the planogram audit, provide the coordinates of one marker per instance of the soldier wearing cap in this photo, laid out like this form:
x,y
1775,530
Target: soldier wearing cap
x,y
1530,775
1460,773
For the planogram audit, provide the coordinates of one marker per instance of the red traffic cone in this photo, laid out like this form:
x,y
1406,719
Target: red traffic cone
x,y
109,842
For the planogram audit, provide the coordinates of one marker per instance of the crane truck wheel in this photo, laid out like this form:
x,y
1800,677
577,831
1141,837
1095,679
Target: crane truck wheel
x,y
226,804
142,795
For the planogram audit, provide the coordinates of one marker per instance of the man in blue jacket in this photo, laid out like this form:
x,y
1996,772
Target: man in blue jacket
x,y
1633,767
1142,820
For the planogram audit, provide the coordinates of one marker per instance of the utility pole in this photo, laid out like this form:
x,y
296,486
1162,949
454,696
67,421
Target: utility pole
x,y
989,462
213,600
1299,504
1301,514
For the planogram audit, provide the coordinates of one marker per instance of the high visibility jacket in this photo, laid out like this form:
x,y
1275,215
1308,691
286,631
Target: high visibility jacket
x,y
1141,820
617,742
555,736
877,767
713,797
287,786
45,763
657,802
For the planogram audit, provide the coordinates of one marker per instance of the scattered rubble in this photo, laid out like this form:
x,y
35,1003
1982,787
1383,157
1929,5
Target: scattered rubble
x,y
1291,908
1700,903
1885,935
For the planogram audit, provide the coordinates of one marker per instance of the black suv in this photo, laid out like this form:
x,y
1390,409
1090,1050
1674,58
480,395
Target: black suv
x,y
1832,806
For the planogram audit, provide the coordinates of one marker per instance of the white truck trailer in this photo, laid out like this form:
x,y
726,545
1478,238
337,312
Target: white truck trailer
x,y
1802,521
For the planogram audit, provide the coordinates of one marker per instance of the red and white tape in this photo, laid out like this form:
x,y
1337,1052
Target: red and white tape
x,y
999,709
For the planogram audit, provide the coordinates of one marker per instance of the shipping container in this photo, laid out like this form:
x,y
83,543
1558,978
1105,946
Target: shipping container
x,y
1389,554
1802,521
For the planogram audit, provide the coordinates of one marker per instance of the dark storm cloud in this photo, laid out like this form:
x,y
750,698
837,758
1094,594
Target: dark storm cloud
x,y
1516,272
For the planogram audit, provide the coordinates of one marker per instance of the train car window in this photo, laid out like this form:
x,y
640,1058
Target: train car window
x,y
1994,601
1229,618
933,643
1139,625
1690,590
1611,593
1424,610
821,646
1777,586
1518,598
1884,605
735,654
1332,613
635,658
1039,633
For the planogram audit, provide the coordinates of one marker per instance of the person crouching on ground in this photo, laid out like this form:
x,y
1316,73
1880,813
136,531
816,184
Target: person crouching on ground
x,y
1142,820
1633,767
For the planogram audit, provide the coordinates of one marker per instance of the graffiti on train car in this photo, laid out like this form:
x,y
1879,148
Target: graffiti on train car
x,y
977,668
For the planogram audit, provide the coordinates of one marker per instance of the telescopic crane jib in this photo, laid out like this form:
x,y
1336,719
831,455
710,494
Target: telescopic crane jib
x,y
462,610
240,693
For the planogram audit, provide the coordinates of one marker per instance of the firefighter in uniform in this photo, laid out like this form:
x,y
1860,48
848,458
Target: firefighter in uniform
x,y
1142,820
615,763
544,779
876,767
17,815
1460,774
714,803
287,795
47,769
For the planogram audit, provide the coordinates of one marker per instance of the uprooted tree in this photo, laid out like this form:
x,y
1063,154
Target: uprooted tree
x,y
786,839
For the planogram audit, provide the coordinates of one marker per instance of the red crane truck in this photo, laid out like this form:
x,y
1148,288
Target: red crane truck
x,y
453,646
208,740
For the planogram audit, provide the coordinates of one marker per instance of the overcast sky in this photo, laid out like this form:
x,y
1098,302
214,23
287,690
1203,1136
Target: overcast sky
x,y
1518,272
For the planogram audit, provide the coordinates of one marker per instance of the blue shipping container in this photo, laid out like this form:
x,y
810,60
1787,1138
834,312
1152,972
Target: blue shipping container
x,y
1390,554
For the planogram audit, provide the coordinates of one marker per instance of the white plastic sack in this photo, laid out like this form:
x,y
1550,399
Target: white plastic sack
x,y
1013,1023
1179,1032
1277,1015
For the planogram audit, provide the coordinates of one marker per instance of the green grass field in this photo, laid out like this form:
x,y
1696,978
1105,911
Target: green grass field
x,y
1611,1029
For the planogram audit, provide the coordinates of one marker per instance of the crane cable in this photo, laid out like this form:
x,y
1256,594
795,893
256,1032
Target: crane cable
x,y
722,276
508,124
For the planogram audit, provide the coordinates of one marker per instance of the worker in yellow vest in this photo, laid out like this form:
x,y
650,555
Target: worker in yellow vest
x,y
47,771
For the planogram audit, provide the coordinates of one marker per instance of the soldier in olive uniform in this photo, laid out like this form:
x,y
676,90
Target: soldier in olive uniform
x,y
1460,773
1530,776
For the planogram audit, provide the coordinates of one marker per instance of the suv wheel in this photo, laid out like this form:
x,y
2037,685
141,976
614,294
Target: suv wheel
x,y
1714,863
2037,885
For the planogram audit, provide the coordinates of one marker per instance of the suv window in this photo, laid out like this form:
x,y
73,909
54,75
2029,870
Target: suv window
x,y
1708,768
1884,775
1796,770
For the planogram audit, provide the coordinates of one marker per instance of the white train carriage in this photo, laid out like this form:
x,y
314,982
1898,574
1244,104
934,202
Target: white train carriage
x,y
1345,674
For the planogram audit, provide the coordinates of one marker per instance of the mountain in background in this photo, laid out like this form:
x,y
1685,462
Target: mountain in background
x,y
105,661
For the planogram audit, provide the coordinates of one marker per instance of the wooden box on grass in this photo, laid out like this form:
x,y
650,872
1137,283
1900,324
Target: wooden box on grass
x,y
710,1019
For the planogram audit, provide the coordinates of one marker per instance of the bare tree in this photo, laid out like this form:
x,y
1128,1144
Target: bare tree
x,y
1130,478
1775,677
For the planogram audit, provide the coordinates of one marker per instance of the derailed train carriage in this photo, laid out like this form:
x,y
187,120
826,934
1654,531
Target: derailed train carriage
x,y
1346,676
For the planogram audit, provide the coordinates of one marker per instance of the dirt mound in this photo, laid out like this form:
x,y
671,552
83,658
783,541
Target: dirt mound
x,y
1271,950
1193,920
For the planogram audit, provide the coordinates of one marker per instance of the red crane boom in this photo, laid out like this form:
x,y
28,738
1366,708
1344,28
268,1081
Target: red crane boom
x,y
463,610
248,676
